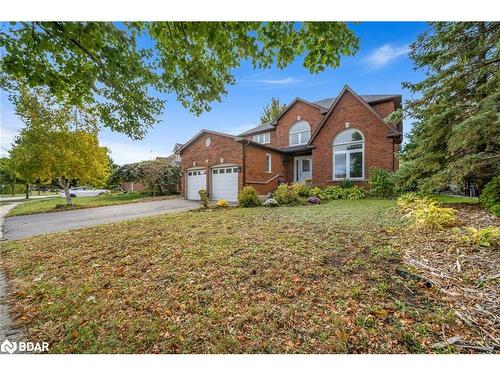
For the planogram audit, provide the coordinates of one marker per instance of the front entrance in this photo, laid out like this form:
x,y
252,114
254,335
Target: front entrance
x,y
302,169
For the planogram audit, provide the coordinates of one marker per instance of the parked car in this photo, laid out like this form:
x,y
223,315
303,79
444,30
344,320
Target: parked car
x,y
83,191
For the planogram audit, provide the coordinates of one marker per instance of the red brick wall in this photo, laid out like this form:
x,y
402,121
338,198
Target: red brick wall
x,y
255,169
307,112
220,147
378,148
384,109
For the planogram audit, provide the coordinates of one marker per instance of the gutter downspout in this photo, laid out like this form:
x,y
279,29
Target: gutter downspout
x,y
244,164
393,156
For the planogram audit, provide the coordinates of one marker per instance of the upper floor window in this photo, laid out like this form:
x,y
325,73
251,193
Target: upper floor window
x,y
262,138
348,155
300,133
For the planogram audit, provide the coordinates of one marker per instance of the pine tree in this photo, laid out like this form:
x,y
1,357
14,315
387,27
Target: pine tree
x,y
456,133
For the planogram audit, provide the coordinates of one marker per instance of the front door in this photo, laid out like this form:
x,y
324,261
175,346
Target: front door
x,y
303,168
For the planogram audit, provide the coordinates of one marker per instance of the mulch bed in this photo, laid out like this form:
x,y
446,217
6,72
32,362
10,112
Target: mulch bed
x,y
468,277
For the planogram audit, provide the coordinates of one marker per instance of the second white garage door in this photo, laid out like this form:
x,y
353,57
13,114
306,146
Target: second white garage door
x,y
196,180
225,183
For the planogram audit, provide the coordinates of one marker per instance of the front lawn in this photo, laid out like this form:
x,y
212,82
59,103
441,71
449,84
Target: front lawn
x,y
304,279
452,199
49,204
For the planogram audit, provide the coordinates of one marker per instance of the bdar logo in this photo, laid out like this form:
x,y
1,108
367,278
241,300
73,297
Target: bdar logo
x,y
9,347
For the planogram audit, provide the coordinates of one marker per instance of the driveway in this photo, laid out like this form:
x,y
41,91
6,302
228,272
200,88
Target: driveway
x,y
17,227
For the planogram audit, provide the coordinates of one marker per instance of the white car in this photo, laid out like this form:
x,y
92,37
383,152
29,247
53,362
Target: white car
x,y
83,191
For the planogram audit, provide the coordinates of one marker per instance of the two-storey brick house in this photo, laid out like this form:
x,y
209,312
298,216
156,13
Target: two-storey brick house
x,y
324,142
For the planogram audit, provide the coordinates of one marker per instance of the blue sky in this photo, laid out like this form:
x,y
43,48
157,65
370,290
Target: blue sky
x,y
379,67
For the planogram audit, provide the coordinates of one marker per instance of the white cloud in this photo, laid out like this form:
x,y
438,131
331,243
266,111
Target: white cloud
x,y
271,83
284,81
385,54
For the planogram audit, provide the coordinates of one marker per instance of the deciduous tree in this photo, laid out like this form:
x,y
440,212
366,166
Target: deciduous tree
x,y
54,145
116,70
271,111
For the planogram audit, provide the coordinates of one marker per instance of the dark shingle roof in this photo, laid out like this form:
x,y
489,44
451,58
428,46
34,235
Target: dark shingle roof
x,y
294,148
258,129
327,103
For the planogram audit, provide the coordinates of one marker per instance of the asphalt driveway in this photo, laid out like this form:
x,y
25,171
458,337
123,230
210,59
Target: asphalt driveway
x,y
17,227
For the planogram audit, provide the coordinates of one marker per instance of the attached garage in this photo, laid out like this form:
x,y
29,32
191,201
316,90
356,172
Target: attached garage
x,y
225,183
195,181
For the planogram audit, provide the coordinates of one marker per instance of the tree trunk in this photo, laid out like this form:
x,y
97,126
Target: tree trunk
x,y
13,188
27,191
65,185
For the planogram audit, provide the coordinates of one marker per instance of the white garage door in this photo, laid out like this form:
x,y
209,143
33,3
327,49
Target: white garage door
x,y
225,183
196,180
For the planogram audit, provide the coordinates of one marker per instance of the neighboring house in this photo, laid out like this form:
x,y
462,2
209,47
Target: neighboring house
x,y
324,142
175,158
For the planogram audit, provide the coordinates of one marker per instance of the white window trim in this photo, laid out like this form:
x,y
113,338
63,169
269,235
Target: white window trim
x,y
348,158
269,164
263,138
300,133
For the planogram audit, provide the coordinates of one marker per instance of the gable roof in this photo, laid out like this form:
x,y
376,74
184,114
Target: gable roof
x,y
275,121
361,100
370,99
177,146
258,129
199,134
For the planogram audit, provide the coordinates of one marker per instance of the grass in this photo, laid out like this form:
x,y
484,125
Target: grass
x,y
448,199
49,204
33,194
304,279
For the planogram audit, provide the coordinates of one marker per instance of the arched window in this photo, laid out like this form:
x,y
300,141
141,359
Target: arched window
x,y
348,155
300,133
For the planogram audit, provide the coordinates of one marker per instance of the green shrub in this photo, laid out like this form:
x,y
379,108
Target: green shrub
x,y
425,212
302,189
315,191
482,237
409,200
495,209
381,183
203,197
285,194
331,193
248,197
433,216
490,196
354,193
346,184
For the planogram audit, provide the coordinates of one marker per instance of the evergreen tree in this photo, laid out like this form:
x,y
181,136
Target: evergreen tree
x,y
456,133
